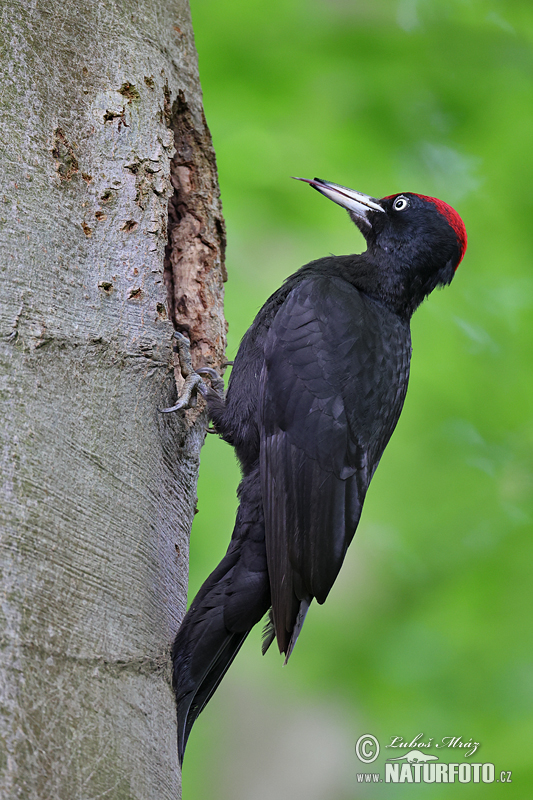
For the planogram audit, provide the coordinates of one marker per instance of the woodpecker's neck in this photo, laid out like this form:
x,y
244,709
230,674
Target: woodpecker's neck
x,y
402,277
396,282
371,273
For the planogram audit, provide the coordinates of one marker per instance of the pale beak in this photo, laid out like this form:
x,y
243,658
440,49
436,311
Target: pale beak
x,y
358,205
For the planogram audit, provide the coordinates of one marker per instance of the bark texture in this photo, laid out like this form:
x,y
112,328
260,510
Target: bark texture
x,y
101,126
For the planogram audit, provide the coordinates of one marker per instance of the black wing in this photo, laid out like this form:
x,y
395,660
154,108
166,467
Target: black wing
x,y
332,388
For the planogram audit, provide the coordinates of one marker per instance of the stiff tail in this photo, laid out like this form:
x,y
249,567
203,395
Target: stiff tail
x,y
199,666
232,600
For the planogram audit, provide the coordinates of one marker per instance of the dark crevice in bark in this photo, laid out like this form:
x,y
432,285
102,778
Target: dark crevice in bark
x,y
194,255
63,153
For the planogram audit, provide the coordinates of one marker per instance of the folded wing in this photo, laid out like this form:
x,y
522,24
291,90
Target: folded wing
x,y
332,388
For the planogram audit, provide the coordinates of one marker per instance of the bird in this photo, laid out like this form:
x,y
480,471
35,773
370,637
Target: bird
x,y
315,392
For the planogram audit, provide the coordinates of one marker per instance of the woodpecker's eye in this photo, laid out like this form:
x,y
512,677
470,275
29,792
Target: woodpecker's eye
x,y
400,204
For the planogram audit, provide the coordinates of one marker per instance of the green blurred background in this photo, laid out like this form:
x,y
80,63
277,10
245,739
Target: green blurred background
x,y
428,627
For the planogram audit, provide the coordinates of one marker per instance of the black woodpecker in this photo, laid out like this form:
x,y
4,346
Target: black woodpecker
x,y
315,393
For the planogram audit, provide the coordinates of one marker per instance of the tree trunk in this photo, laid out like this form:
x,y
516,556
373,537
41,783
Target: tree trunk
x,y
101,128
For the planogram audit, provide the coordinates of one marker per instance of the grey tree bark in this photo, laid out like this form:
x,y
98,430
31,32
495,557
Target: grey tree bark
x,y
101,136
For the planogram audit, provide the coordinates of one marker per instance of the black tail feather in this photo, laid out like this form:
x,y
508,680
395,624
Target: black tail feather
x,y
191,702
232,600
300,619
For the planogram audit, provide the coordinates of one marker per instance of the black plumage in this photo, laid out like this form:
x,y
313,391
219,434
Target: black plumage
x,y
315,393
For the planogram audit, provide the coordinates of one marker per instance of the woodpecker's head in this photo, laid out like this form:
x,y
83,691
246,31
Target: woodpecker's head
x,y
416,241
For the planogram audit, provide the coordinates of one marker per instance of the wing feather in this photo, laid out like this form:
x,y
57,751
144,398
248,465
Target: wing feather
x,y
331,391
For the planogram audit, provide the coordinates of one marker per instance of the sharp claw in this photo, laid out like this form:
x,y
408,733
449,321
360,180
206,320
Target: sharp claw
x,y
193,380
193,383
213,374
216,381
179,405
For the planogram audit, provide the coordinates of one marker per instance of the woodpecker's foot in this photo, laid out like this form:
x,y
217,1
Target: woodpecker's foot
x,y
217,383
193,379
